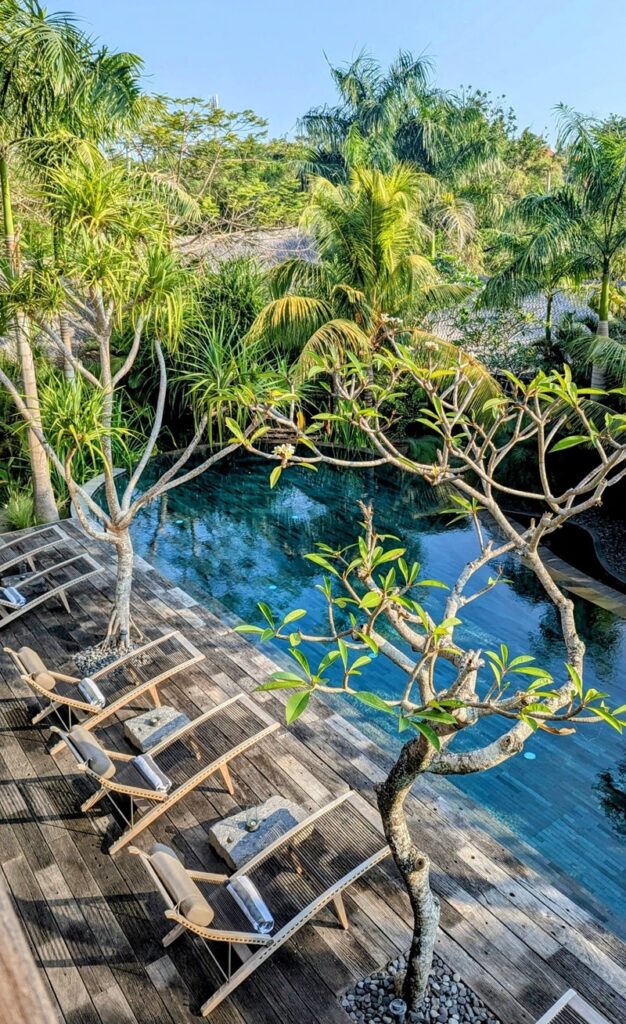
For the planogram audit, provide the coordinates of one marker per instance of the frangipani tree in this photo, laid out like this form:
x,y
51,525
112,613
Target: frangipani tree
x,y
374,589
129,290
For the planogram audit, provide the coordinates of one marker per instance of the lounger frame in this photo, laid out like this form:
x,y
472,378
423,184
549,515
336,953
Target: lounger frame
x,y
162,802
95,716
575,1002
29,556
7,616
268,944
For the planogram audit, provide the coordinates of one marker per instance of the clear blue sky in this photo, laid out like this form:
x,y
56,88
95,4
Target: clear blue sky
x,y
269,54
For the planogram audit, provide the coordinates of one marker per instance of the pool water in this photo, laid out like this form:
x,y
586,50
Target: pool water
x,y
227,538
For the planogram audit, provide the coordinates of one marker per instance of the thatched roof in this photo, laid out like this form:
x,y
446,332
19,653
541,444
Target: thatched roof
x,y
269,246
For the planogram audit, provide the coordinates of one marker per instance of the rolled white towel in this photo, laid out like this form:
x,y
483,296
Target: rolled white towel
x,y
11,597
249,899
91,692
152,773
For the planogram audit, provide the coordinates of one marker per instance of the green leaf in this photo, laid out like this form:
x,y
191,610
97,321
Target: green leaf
x,y
372,700
297,613
301,659
320,560
266,613
606,715
343,651
244,628
570,442
390,556
281,684
427,732
370,600
373,646
275,475
296,706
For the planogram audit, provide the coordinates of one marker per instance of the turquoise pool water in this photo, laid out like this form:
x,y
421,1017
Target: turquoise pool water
x,y
227,538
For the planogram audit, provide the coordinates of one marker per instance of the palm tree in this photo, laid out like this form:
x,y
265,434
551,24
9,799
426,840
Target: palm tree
x,y
371,107
397,115
372,271
585,219
52,81
531,268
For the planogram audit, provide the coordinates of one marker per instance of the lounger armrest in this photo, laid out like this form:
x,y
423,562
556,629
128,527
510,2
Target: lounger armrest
x,y
62,677
208,876
220,934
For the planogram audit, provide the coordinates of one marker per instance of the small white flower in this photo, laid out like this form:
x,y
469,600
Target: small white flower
x,y
284,451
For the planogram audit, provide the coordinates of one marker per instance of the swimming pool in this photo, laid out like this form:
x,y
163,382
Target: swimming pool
x,y
228,539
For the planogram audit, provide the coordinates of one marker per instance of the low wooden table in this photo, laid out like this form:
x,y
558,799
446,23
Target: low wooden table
x,y
152,726
232,841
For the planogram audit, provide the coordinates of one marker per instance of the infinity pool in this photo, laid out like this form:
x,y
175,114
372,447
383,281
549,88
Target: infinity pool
x,y
231,541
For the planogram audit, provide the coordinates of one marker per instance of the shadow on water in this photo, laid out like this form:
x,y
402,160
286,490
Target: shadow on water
x,y
231,541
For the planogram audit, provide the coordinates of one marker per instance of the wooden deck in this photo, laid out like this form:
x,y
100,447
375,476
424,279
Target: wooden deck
x,y
95,926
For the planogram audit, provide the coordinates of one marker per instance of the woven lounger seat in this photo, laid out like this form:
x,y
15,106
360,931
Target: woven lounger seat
x,y
571,1008
23,549
296,876
53,581
186,759
134,674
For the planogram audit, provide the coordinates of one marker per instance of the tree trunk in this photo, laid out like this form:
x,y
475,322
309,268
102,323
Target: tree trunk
x,y
67,336
548,334
413,864
598,378
45,504
119,627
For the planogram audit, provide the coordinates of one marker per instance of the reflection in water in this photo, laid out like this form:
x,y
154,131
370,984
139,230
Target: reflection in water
x,y
227,537
612,791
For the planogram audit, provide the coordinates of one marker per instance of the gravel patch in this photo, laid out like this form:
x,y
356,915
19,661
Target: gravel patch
x,y
97,657
447,1001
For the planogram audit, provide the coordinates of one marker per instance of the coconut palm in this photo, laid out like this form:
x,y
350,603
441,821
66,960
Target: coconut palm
x,y
52,80
372,277
585,219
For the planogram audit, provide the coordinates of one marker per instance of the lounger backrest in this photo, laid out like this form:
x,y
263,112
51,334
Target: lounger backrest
x,y
34,666
86,748
182,889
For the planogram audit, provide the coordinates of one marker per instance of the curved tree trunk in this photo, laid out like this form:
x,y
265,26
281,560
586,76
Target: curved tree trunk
x,y
413,864
46,510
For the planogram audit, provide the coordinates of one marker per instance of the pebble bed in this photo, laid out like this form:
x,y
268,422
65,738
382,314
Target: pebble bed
x,y
92,659
447,1001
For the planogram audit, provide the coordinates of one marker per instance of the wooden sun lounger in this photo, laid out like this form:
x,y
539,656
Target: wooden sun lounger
x,y
15,550
307,868
188,757
57,579
571,1008
138,672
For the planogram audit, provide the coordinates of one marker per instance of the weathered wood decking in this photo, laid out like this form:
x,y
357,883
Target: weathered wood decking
x,y
95,926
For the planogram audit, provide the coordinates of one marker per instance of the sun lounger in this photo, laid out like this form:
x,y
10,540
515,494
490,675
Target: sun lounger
x,y
91,701
571,1008
15,550
175,767
277,892
40,586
